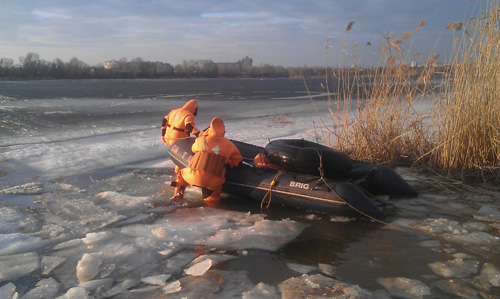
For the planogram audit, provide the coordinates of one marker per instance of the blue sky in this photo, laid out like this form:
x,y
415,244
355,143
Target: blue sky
x,y
287,33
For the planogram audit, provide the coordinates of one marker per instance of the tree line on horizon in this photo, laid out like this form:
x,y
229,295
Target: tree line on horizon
x,y
32,67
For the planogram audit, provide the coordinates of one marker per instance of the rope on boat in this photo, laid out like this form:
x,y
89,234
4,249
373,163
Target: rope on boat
x,y
269,190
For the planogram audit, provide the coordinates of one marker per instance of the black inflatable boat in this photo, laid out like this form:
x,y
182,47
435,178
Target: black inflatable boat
x,y
307,176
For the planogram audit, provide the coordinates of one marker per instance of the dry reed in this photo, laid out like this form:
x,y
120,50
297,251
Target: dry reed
x,y
377,115
469,117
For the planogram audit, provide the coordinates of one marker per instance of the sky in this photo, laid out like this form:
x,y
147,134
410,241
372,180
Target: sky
x,y
286,33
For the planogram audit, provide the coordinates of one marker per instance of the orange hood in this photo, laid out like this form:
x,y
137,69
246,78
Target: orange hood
x,y
191,106
217,127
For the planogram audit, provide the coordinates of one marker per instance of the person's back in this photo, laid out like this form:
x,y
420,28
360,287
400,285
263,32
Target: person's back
x,y
212,151
180,123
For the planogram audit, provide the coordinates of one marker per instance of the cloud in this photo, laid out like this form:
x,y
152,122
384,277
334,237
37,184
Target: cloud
x,y
273,32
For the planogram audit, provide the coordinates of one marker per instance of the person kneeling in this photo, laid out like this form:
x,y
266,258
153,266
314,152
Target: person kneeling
x,y
212,152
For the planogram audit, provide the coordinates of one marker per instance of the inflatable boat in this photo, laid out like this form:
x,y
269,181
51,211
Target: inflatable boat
x,y
306,175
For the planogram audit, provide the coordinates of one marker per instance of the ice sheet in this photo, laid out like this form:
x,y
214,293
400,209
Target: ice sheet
x,y
89,167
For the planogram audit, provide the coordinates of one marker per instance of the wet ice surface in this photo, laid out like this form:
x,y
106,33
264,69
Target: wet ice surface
x,y
76,220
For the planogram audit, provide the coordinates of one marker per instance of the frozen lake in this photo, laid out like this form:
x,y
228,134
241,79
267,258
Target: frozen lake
x,y
81,159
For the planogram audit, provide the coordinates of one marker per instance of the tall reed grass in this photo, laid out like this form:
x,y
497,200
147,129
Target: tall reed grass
x,y
382,114
469,117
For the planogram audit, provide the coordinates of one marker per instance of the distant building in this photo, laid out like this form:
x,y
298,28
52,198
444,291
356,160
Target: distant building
x,y
246,63
241,65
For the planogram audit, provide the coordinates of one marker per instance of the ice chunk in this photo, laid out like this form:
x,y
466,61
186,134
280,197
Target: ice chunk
x,y
160,280
49,263
88,266
8,291
455,268
223,283
200,268
456,287
92,238
327,269
491,274
262,291
300,268
172,287
264,234
45,288
17,243
17,265
402,287
312,286
488,212
216,258
312,217
125,202
76,293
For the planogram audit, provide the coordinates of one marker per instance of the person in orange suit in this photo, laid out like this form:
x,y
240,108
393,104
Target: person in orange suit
x,y
180,123
212,152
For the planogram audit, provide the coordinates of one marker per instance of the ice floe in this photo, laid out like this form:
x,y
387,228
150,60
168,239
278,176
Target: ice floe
x,y
17,243
199,268
49,263
88,266
45,288
455,268
488,212
452,230
318,286
17,265
300,268
160,279
402,287
263,291
491,274
8,291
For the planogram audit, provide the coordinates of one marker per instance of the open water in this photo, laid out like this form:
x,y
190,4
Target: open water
x,y
81,159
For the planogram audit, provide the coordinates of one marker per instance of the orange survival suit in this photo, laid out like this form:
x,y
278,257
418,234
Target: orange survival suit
x,y
179,123
212,151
